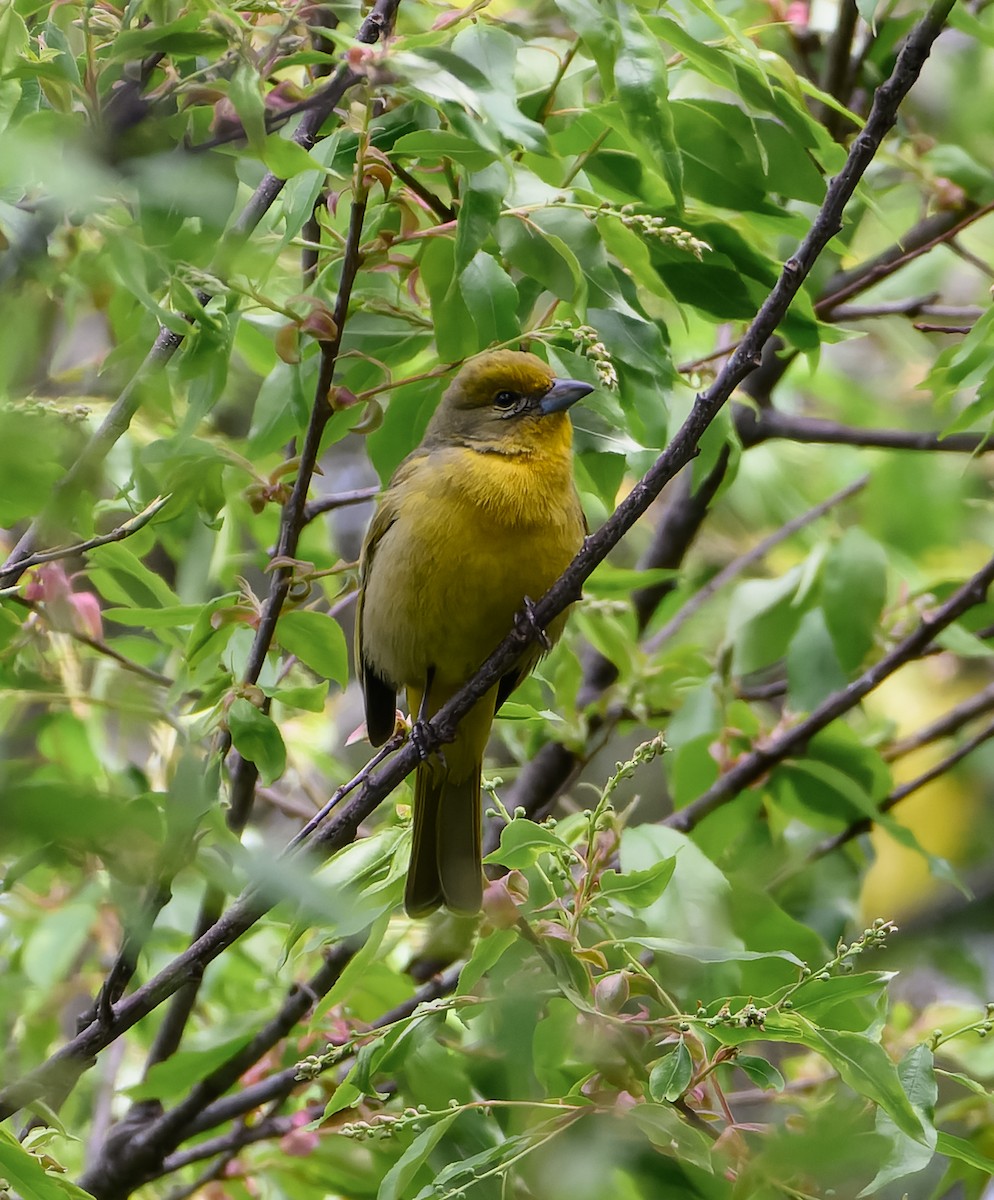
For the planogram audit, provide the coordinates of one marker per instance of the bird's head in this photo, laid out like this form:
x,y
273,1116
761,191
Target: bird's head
x,y
506,399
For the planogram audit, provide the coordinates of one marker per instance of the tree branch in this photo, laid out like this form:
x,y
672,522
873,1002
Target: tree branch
x,y
945,725
130,1157
326,504
865,824
753,427
926,235
754,765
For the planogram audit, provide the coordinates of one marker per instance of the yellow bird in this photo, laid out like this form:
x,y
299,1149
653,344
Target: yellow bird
x,y
482,515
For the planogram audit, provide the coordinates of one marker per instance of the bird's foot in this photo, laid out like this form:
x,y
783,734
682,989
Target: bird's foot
x,y
425,741
525,620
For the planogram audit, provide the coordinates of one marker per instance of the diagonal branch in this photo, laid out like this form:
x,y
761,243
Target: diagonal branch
x,y
751,767
945,725
902,792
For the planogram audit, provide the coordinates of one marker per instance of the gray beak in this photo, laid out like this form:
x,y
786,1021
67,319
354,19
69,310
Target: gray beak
x,y
562,394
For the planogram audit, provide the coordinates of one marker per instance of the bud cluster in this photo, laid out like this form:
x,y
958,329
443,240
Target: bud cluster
x,y
587,343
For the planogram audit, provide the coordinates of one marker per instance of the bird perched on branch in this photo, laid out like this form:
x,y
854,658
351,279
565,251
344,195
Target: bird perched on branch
x,y
480,517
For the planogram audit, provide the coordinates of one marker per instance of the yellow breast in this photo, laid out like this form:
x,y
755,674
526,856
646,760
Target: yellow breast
x,y
473,533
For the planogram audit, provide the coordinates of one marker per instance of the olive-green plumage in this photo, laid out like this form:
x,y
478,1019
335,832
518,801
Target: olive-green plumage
x,y
481,515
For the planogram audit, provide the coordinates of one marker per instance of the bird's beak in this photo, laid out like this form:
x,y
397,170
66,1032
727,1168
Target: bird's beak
x,y
562,394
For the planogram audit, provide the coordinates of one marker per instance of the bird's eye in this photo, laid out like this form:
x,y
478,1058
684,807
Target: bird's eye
x,y
505,400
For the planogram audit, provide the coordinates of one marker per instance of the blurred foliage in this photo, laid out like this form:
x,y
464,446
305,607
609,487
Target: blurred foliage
x,y
641,1012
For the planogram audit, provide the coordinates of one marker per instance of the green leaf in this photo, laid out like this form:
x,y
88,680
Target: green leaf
x,y
638,888
318,641
522,843
257,738
641,79
173,616
310,699
971,1085
706,954
245,93
455,337
397,1183
964,1151
286,158
25,1175
907,1156
813,668
188,36
434,144
168,1080
762,1073
665,1128
671,1076
479,209
866,1067
853,592
121,575
491,300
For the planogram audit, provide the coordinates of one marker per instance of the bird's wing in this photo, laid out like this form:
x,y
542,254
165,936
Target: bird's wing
x,y
379,695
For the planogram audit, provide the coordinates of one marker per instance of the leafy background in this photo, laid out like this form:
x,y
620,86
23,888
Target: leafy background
x,y
763,740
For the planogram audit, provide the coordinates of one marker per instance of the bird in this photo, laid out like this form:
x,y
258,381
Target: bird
x,y
482,517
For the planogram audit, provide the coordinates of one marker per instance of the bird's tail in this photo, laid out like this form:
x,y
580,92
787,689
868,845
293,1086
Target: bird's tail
x,y
446,866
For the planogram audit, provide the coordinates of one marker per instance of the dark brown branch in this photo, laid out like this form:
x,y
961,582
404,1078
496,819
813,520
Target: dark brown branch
x,y
245,774
228,1144
925,236
928,327
837,73
857,828
136,1155
912,307
751,767
278,1086
944,726
444,212
342,827
325,504
753,427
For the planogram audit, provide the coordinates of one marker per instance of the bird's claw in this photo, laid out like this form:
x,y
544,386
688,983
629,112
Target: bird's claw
x,y
526,620
423,738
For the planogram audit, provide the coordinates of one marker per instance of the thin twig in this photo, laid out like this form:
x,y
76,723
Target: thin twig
x,y
744,561
865,824
444,212
934,231
281,1084
325,504
945,725
125,530
751,767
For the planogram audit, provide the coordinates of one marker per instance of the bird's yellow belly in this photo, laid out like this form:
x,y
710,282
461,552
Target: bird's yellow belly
x,y
457,575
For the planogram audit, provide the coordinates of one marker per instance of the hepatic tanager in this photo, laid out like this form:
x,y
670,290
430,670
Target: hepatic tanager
x,y
482,515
